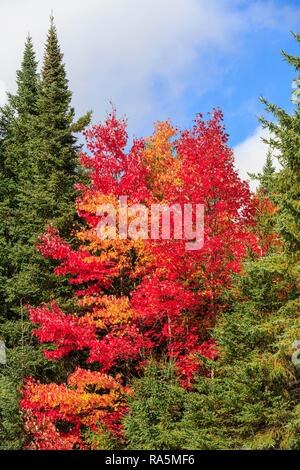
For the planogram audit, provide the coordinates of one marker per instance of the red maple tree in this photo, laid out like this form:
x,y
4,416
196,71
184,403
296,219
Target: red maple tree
x,y
138,297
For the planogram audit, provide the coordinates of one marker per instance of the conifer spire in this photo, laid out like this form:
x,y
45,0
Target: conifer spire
x,y
267,173
55,99
27,81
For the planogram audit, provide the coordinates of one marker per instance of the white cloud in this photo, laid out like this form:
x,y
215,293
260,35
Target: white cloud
x,y
250,155
119,50
2,93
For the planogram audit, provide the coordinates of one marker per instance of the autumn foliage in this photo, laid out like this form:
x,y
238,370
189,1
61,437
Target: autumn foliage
x,y
137,298
88,398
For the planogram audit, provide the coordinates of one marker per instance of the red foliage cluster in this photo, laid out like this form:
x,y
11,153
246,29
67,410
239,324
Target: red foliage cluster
x,y
139,297
55,414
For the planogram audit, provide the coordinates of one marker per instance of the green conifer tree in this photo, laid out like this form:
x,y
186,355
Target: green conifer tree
x,y
39,166
265,178
267,173
285,132
251,400
16,123
156,409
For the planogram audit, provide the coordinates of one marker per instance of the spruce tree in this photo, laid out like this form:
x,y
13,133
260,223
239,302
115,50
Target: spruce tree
x,y
22,112
43,157
266,227
265,178
251,400
56,165
155,410
16,123
39,166
285,138
7,190
27,82
267,173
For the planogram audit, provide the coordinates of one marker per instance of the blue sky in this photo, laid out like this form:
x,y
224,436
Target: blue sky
x,y
156,59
